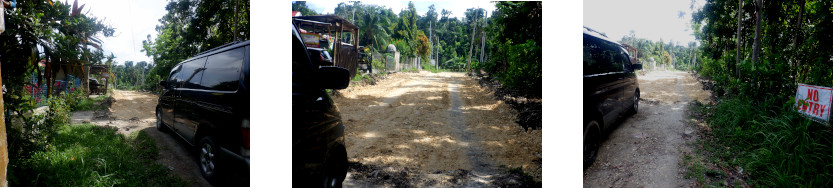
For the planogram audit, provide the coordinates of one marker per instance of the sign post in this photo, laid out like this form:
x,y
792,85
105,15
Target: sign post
x,y
814,102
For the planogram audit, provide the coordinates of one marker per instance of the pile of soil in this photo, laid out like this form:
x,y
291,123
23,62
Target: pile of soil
x,y
527,103
368,79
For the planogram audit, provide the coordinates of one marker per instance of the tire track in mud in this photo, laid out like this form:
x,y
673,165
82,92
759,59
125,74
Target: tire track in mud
x,y
480,168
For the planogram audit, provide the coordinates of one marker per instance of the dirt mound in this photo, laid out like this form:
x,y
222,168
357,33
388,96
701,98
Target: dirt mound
x,y
528,105
131,104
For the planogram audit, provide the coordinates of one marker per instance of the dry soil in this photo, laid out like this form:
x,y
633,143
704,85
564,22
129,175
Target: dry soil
x,y
426,129
645,149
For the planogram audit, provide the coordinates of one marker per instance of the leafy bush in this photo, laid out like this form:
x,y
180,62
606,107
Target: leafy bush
x,y
524,66
777,148
429,67
90,155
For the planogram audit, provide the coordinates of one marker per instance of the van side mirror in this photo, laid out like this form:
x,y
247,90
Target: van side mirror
x,y
330,77
637,66
163,83
320,57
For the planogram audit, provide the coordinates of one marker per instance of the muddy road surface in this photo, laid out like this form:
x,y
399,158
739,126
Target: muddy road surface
x,y
434,130
645,149
132,111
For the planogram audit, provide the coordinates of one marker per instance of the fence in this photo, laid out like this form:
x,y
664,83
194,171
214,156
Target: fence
x,y
346,57
387,63
38,93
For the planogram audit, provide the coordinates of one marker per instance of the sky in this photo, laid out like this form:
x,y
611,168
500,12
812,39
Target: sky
x,y
457,8
133,20
649,19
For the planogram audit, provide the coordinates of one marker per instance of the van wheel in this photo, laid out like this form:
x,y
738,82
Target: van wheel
x,y
592,141
635,106
207,161
336,168
159,126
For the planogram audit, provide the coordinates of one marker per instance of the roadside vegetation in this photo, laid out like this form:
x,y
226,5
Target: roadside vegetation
x,y
505,44
753,56
45,150
89,155
45,41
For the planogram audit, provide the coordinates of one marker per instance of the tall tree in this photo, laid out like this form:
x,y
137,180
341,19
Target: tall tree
x,y
738,49
471,43
301,6
193,26
757,41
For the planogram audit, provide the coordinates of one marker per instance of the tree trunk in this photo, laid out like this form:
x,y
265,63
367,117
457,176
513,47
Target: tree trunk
x,y
757,43
471,43
4,153
483,38
737,56
798,23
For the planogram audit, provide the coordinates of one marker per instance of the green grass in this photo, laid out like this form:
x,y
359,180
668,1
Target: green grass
x,y
776,148
90,155
86,103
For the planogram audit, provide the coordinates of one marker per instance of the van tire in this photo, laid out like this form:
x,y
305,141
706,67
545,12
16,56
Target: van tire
x,y
592,142
335,169
207,160
159,124
635,106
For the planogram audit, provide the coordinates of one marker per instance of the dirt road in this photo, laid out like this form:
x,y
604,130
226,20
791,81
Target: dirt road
x,y
427,129
134,111
645,150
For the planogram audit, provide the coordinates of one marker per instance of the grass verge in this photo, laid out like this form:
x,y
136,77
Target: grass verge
x,y
86,103
89,155
769,148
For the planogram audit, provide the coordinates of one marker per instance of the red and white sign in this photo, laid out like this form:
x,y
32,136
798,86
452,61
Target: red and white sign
x,y
816,101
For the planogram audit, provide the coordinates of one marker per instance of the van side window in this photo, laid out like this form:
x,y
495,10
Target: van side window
x,y
191,73
593,61
224,69
172,78
626,61
614,54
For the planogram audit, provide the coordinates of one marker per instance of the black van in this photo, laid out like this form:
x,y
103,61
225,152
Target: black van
x,y
205,100
319,156
611,90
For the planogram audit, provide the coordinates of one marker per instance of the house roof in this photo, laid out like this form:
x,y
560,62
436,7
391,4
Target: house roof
x,y
332,19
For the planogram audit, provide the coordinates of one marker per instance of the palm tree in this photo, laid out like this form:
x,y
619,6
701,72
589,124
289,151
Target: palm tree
x,y
375,27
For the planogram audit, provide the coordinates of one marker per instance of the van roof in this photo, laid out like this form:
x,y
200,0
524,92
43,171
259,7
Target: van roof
x,y
220,48
597,34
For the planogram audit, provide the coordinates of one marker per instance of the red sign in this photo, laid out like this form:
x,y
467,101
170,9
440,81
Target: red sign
x,y
814,101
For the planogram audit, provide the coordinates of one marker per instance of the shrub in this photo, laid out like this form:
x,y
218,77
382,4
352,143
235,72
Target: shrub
x,y
777,148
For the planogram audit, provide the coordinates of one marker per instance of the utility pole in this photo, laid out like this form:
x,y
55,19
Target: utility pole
x,y
430,37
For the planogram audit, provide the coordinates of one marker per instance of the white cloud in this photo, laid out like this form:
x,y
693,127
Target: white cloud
x,y
133,21
650,19
457,8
